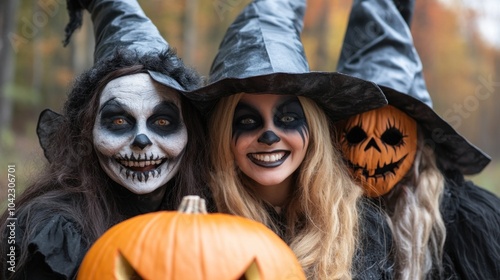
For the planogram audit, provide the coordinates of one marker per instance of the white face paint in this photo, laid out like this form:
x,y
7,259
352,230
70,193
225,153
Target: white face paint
x,y
139,133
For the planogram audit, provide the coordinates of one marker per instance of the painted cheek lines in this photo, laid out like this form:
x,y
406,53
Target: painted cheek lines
x,y
303,132
291,109
246,120
300,127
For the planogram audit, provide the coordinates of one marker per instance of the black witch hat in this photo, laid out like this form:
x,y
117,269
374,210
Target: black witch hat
x,y
378,46
124,37
262,53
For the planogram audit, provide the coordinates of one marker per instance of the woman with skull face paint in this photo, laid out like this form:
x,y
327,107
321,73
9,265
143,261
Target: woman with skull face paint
x,y
271,152
114,153
412,161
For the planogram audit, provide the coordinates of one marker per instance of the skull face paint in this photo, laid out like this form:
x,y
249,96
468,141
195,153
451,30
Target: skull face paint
x,y
139,134
380,147
270,137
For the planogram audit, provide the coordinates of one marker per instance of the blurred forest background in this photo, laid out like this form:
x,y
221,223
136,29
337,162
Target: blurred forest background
x,y
461,64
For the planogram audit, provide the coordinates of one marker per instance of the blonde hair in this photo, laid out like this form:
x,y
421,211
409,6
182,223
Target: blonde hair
x,y
322,215
418,228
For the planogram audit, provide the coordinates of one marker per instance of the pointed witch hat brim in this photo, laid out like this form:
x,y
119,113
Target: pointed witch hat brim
x,y
386,55
452,150
339,95
261,52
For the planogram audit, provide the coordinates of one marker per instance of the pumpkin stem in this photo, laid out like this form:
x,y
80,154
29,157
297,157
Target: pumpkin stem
x,y
193,204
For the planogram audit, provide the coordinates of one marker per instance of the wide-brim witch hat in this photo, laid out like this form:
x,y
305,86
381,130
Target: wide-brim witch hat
x,y
261,52
378,46
124,35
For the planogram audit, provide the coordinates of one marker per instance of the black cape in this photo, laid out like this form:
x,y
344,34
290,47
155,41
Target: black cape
x,y
472,219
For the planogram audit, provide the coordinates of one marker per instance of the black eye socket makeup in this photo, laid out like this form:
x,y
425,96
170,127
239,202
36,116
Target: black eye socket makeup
x,y
119,118
288,116
114,117
246,119
166,119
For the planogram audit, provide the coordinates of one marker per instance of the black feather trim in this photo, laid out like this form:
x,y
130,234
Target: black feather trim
x,y
75,12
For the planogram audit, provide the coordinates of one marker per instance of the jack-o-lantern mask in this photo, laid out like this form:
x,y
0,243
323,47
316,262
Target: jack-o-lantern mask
x,y
379,147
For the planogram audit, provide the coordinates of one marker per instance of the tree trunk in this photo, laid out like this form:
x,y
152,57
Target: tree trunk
x,y
190,23
321,62
8,9
36,81
493,101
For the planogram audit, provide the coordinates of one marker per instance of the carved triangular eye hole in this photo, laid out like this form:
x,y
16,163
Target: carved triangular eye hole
x,y
252,272
355,135
124,270
392,136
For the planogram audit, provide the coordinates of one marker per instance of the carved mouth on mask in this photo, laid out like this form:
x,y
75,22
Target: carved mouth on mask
x,y
269,159
141,167
380,171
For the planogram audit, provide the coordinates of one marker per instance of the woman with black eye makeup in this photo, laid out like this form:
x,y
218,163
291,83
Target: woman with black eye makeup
x,y
411,161
269,158
127,143
271,153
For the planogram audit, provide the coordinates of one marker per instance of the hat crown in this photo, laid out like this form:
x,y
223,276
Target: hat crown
x,y
264,39
378,47
122,25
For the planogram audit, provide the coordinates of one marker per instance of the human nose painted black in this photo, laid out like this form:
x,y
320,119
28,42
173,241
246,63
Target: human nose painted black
x,y
141,141
269,138
373,144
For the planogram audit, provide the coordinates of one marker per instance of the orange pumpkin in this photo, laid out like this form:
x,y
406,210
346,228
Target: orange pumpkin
x,y
190,244
380,147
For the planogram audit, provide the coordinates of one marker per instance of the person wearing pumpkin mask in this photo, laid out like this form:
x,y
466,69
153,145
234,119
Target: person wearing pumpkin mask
x,y
115,151
411,160
272,158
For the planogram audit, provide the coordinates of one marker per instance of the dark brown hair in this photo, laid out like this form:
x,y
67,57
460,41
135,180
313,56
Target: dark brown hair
x,y
73,185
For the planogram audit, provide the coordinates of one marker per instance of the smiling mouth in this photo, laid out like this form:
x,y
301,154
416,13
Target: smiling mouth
x,y
141,166
378,172
140,169
269,159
